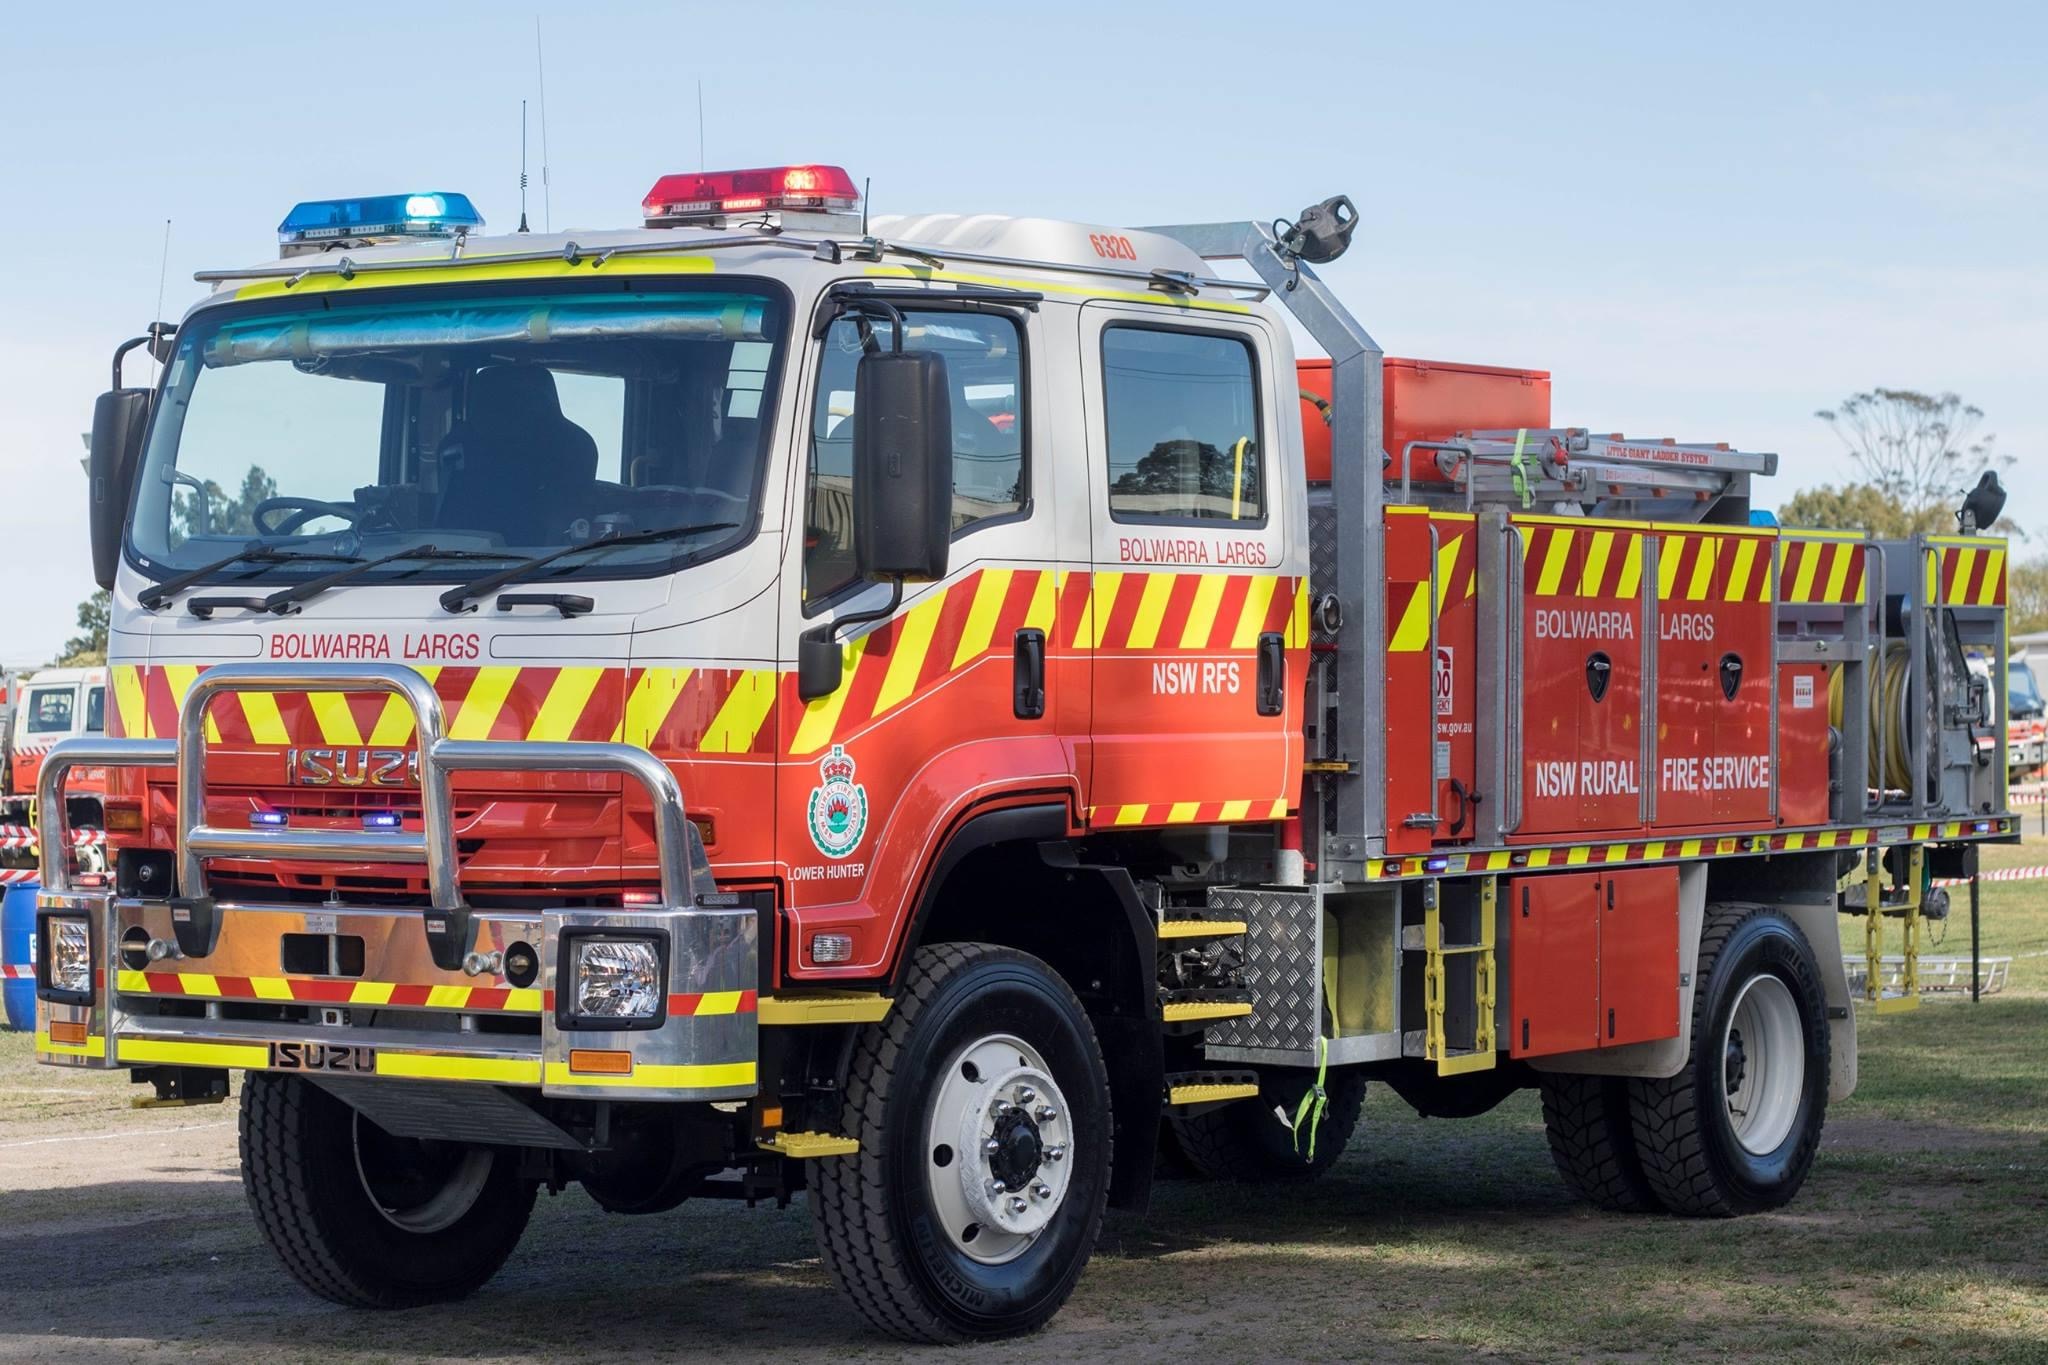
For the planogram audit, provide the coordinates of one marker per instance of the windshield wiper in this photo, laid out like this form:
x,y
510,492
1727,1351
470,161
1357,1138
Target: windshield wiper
x,y
286,600
458,598
255,552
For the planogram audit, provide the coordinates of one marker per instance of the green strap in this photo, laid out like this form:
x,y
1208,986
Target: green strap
x,y
1518,467
1313,1101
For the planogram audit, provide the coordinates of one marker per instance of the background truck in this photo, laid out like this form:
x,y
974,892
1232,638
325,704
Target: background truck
x,y
49,705
921,711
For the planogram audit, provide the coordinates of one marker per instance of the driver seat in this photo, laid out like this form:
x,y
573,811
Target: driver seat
x,y
514,464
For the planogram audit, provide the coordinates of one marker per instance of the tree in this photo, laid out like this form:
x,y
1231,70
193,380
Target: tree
x,y
1861,507
89,646
208,510
1921,449
2026,597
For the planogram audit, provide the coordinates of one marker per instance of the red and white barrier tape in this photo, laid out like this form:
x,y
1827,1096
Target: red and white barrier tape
x,y
1998,874
2026,796
20,836
15,876
17,971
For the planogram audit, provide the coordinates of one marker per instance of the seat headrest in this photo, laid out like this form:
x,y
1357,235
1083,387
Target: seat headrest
x,y
513,396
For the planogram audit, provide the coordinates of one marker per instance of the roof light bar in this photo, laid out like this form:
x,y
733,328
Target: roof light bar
x,y
319,224
704,196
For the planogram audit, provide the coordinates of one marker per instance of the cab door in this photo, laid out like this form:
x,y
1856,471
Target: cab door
x,y
1191,613
949,704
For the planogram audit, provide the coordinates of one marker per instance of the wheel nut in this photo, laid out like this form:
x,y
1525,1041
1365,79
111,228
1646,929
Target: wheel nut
x,y
1025,1094
1017,1204
1046,1113
1041,1190
1055,1153
991,1146
996,1187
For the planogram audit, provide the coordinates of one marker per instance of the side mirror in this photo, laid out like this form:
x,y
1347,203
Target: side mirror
x,y
119,417
902,466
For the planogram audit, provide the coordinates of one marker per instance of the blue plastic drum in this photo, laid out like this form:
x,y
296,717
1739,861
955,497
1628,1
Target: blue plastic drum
x,y
17,954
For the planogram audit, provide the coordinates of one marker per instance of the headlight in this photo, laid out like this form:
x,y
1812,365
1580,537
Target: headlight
x,y
69,954
615,980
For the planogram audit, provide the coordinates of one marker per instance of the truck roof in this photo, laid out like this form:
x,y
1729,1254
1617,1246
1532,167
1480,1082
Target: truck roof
x,y
995,239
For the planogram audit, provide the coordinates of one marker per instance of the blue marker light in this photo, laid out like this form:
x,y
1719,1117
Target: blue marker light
x,y
382,819
387,217
268,819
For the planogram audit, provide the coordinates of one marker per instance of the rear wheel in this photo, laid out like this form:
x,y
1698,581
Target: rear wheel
x,y
1736,1130
1586,1119
982,1109
1253,1141
367,1219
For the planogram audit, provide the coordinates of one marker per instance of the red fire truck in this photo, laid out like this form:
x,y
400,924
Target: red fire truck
x,y
921,711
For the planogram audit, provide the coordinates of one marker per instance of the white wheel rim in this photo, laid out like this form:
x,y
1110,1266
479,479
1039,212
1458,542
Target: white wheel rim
x,y
993,1204
1763,1061
442,1209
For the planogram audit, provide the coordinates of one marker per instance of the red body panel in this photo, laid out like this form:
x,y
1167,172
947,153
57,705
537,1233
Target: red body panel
x,y
1638,955
1553,963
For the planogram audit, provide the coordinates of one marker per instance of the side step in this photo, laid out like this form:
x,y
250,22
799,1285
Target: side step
x,y
1195,1007
1202,928
1194,1090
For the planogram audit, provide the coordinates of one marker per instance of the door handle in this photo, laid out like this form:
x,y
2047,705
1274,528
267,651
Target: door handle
x,y
1272,674
1027,679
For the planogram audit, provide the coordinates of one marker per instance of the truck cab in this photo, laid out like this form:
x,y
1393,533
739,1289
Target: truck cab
x,y
55,704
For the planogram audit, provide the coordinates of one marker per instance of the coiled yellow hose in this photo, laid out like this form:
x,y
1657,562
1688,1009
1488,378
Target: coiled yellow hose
x,y
1889,705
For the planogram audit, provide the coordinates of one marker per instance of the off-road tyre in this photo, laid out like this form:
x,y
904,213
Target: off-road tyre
x,y
299,1170
1252,1141
1684,1135
873,1211
1592,1142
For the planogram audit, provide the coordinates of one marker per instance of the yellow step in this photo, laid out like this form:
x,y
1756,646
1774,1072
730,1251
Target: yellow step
x,y
1201,928
1189,1011
803,1146
1210,1094
824,1007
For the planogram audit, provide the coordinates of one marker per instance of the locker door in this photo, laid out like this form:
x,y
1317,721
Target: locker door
x,y
1638,955
1553,963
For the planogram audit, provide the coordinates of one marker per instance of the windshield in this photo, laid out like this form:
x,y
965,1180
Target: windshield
x,y
2019,682
517,422
49,709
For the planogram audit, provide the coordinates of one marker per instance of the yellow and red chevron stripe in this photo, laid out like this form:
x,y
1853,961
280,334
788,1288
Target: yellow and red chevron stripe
x,y
301,990
1966,573
1603,561
1457,565
1188,813
1822,570
730,711
396,995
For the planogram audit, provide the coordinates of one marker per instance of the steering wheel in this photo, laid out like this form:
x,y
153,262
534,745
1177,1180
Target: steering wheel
x,y
299,512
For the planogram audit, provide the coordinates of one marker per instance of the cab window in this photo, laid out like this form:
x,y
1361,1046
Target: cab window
x,y
1182,414
984,368
95,710
49,710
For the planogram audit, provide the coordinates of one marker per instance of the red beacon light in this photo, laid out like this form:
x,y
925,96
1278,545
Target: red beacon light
x,y
705,196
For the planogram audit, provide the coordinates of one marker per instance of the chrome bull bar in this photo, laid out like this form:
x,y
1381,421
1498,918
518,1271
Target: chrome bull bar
x,y
698,1052
685,871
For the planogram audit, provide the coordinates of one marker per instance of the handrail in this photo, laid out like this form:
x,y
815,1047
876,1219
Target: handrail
x,y
64,755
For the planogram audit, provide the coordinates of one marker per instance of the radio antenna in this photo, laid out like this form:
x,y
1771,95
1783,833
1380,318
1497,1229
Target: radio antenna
x,y
547,203
522,167
162,270
700,124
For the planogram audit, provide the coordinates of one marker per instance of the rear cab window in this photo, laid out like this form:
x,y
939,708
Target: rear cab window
x,y
1182,416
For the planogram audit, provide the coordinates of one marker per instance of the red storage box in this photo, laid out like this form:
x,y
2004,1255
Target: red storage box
x,y
1427,400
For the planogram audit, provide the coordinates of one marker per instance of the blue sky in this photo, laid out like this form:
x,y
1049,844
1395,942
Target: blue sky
x,y
1706,222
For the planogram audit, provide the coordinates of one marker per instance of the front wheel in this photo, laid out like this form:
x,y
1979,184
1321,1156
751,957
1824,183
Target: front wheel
x,y
1735,1131
369,1220
981,1105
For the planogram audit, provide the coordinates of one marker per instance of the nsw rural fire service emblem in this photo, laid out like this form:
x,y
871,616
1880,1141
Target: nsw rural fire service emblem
x,y
839,806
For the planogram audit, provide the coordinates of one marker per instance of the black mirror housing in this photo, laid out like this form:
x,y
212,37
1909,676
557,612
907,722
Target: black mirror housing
x,y
902,466
119,417
820,666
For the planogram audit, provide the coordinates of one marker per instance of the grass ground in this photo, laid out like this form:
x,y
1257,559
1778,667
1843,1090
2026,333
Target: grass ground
x,y
1922,1235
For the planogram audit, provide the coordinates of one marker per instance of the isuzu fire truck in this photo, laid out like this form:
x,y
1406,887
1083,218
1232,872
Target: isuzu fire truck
x,y
922,711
